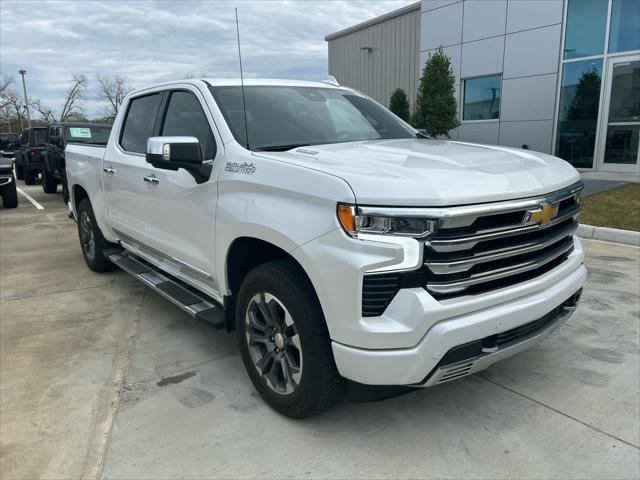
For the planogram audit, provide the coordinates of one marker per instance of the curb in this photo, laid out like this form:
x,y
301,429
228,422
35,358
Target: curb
x,y
606,234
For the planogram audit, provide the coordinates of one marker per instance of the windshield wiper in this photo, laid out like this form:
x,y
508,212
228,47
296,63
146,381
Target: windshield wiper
x,y
281,148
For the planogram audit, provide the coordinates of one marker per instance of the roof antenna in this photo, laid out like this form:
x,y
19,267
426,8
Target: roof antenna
x,y
244,104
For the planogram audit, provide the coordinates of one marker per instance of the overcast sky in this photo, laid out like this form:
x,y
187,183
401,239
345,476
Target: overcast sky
x,y
152,41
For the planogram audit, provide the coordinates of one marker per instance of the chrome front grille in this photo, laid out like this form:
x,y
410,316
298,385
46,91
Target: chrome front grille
x,y
479,248
495,245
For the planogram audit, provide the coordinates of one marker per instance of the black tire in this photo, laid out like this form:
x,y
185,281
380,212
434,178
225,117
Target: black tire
x,y
320,386
10,196
89,232
29,176
65,187
19,167
49,183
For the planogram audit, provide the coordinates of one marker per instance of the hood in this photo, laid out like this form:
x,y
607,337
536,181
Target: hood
x,y
434,172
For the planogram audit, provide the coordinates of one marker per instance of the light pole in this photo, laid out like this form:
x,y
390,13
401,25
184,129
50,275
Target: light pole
x,y
26,100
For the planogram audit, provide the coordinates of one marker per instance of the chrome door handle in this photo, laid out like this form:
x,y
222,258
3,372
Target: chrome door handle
x,y
151,179
109,170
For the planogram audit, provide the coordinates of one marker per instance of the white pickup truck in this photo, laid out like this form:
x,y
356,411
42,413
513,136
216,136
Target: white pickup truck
x,y
337,241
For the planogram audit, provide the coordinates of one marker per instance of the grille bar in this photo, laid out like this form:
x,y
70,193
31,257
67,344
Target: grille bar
x,y
467,242
466,263
451,287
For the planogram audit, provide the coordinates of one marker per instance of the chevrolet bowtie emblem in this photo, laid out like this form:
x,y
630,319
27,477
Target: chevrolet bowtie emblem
x,y
542,215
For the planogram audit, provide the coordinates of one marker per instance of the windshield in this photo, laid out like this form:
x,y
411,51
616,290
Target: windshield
x,y
39,136
284,117
88,134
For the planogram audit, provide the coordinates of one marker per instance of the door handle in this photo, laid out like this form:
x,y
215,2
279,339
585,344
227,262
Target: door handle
x,y
109,170
151,179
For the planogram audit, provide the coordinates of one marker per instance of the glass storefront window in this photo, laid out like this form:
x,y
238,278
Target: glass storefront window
x,y
624,33
482,98
585,29
578,113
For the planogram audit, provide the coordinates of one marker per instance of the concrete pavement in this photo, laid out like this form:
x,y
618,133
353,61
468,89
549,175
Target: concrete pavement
x,y
100,375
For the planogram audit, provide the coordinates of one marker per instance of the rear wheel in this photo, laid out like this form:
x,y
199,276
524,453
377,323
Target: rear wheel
x,y
49,183
10,195
285,343
29,176
92,242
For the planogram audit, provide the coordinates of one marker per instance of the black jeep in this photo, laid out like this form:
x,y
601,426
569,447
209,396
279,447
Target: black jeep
x,y
52,156
8,183
28,160
8,144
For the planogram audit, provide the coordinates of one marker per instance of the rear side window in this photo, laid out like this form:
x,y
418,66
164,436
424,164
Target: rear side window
x,y
139,123
185,118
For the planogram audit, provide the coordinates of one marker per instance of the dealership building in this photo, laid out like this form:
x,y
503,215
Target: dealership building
x,y
557,76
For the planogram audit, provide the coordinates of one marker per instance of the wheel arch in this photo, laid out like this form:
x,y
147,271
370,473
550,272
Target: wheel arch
x,y
243,255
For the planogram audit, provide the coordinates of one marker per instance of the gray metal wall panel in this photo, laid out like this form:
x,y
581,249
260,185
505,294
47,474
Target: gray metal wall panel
x,y
442,27
483,57
483,19
481,132
433,4
393,62
526,14
535,134
532,52
528,98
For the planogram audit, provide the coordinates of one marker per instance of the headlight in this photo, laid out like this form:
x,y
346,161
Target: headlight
x,y
355,221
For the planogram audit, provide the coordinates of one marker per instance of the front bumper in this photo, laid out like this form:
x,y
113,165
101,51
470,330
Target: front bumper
x,y
421,365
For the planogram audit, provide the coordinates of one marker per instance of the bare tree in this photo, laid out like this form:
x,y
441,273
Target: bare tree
x,y
113,90
12,100
5,83
45,112
75,96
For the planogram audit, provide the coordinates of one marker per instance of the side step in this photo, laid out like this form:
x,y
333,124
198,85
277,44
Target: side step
x,y
197,305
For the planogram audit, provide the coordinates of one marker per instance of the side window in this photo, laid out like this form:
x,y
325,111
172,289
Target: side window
x,y
139,122
185,117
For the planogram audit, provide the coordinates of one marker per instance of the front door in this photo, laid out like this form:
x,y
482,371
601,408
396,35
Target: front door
x,y
179,211
619,146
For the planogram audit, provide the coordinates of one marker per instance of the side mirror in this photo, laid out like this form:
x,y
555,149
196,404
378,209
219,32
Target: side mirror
x,y
173,153
54,140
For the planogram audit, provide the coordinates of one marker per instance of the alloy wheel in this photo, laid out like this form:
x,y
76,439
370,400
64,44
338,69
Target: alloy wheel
x,y
274,344
86,236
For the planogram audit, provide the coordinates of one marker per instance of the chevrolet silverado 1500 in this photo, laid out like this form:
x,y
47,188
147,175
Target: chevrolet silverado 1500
x,y
338,242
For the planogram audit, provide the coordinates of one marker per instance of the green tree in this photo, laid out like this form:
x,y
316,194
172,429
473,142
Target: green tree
x,y
399,104
436,107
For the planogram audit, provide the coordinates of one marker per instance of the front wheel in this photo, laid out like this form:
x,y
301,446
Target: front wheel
x,y
91,240
10,195
285,343
19,167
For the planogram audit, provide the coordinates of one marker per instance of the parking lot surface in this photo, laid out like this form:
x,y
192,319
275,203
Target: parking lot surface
x,y
102,377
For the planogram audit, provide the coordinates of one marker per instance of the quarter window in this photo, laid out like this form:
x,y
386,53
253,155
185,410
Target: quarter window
x,y
139,123
185,118
482,98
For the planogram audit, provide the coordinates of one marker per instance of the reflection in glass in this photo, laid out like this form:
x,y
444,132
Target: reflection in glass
x,y
578,113
621,145
482,98
586,26
624,33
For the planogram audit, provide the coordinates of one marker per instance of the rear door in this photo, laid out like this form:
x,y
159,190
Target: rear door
x,y
124,167
179,211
